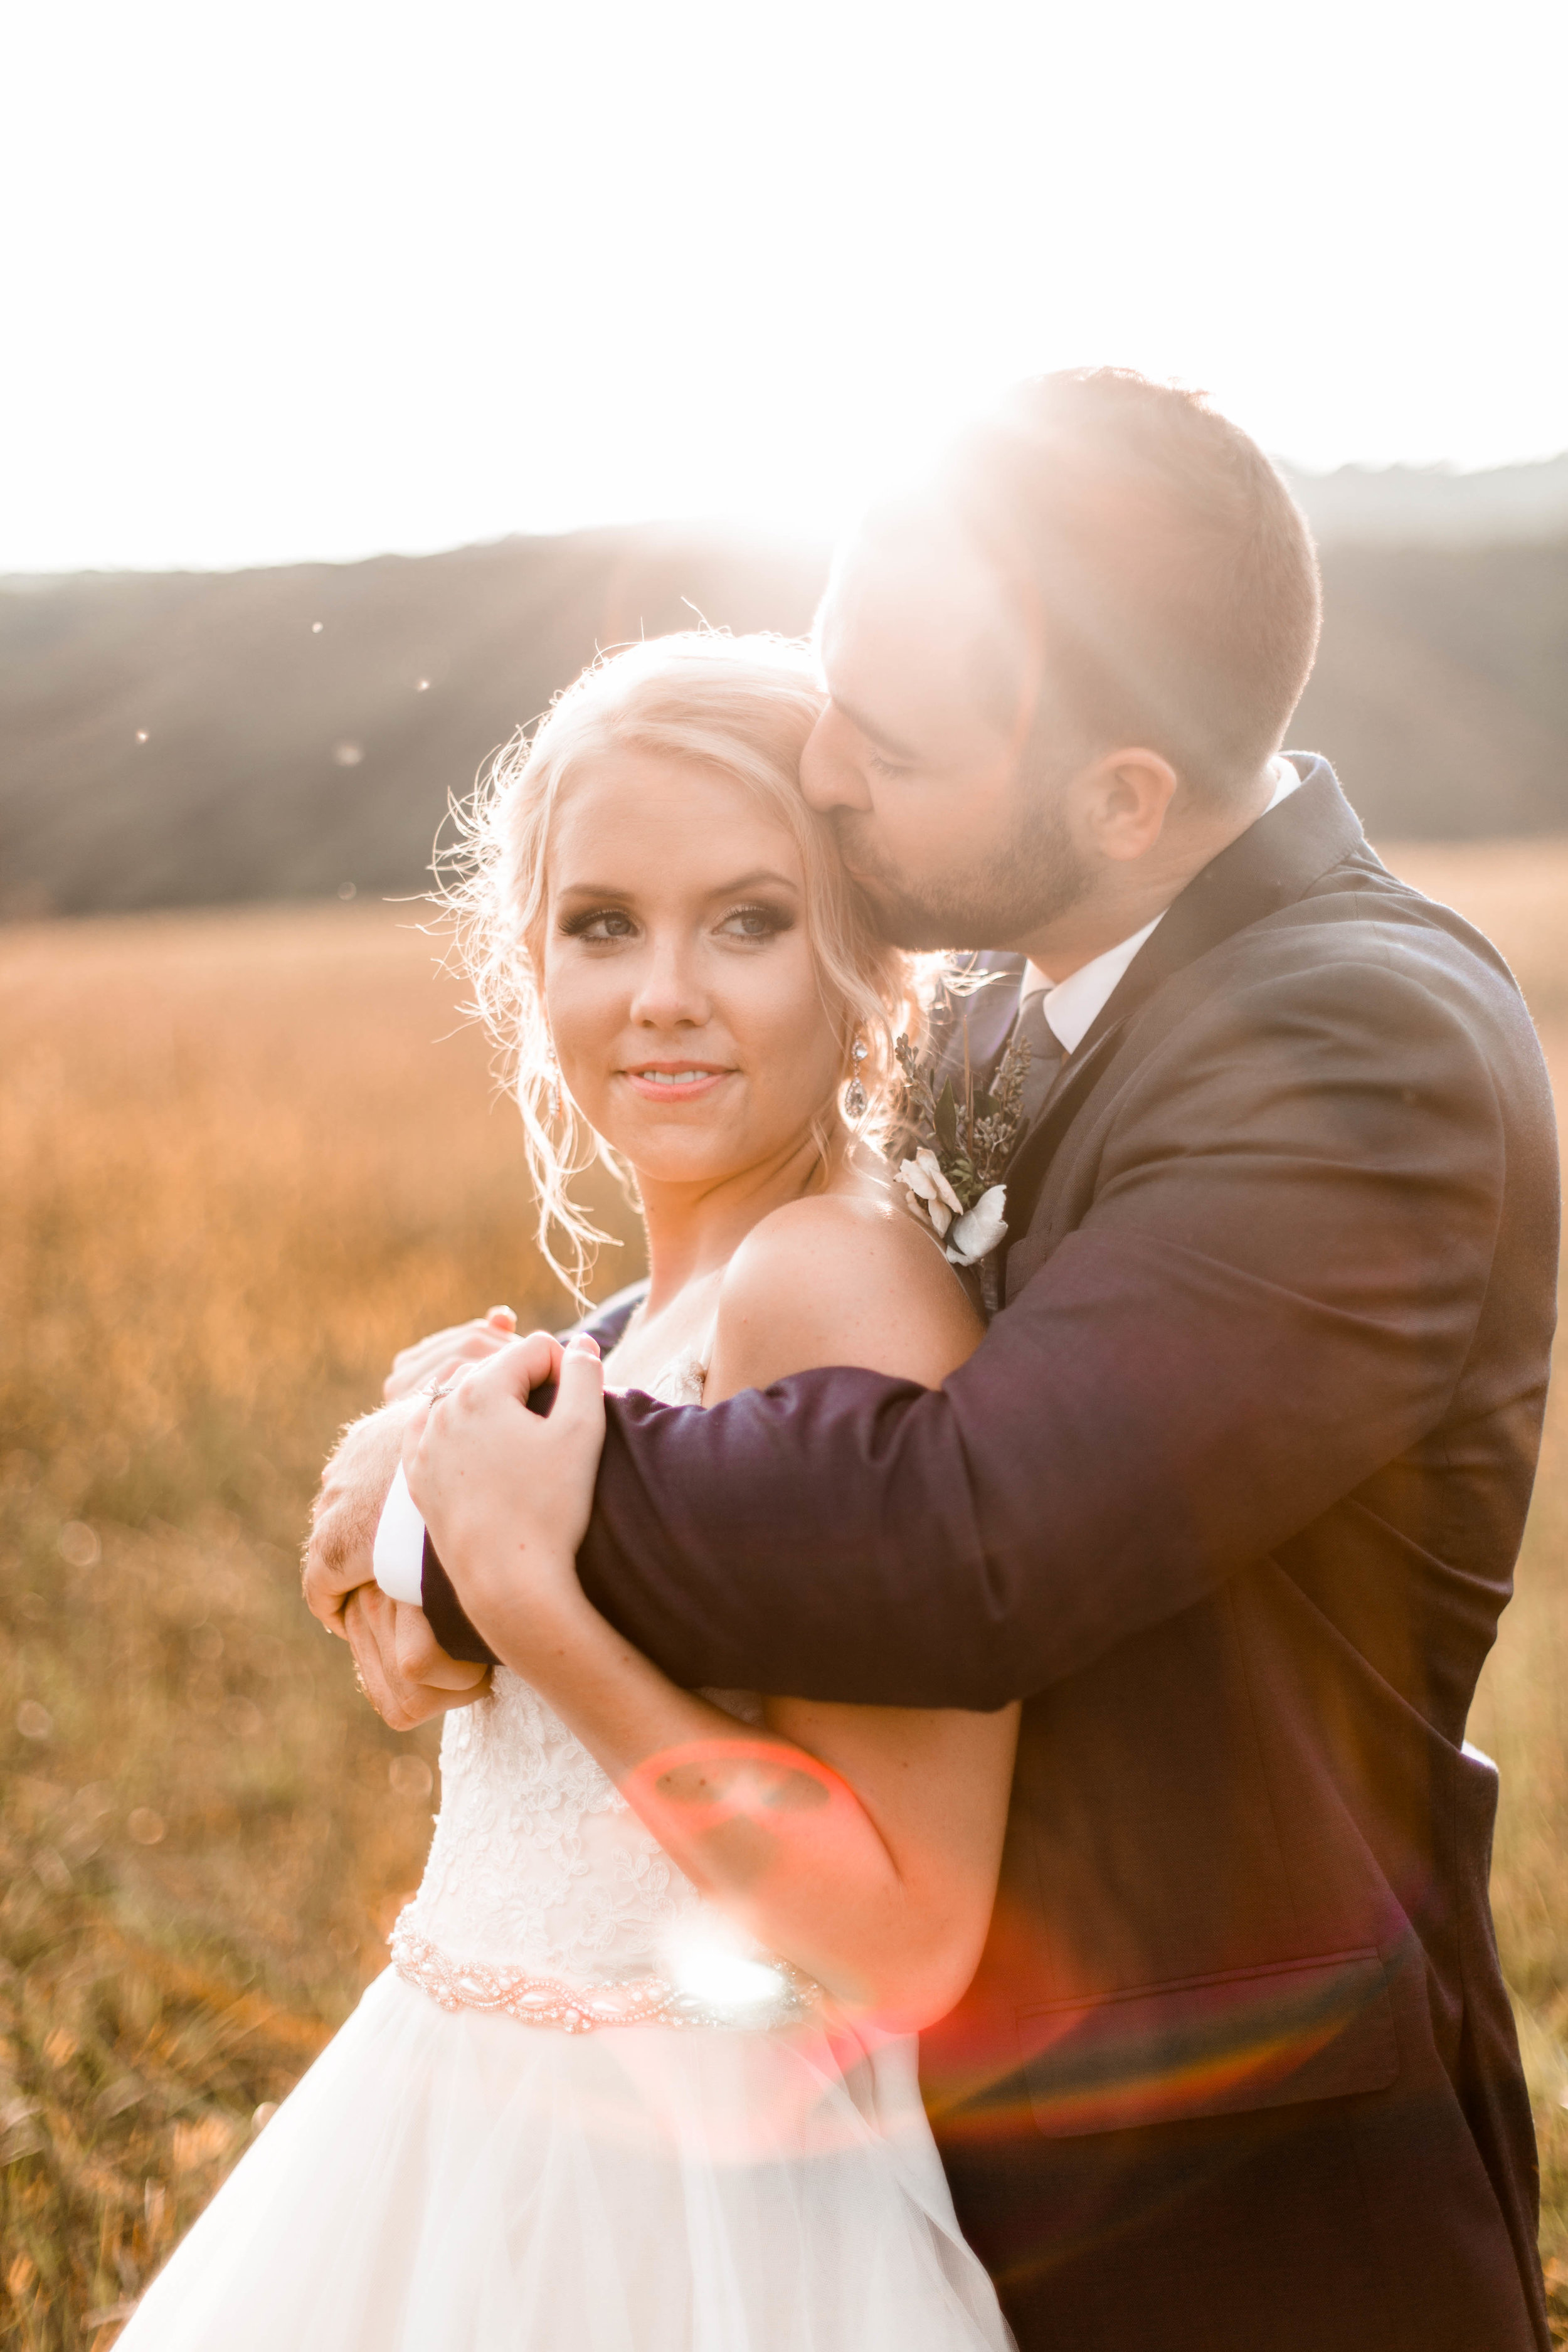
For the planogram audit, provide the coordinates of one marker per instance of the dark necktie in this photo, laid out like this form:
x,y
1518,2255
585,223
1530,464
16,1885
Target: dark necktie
x,y
1046,1055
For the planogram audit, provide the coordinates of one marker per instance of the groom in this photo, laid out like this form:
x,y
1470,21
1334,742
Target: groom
x,y
1231,1493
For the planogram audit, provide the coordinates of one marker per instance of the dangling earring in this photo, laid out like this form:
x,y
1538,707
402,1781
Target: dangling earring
x,y
855,1102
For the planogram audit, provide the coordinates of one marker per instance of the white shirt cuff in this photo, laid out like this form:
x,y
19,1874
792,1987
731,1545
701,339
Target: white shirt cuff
x,y
399,1553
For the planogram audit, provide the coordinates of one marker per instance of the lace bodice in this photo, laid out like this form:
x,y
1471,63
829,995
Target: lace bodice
x,y
540,1868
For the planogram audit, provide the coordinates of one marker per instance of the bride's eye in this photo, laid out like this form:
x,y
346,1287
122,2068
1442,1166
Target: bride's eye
x,y
757,921
601,924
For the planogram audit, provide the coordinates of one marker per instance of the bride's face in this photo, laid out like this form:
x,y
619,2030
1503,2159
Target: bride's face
x,y
677,973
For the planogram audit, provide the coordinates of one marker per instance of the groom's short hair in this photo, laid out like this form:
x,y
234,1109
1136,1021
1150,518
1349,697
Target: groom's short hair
x,y
1160,558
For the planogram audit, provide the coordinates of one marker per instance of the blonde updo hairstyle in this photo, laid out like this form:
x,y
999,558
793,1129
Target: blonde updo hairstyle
x,y
743,706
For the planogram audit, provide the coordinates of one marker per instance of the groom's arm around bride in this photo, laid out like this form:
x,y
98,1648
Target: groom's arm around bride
x,y
1231,1493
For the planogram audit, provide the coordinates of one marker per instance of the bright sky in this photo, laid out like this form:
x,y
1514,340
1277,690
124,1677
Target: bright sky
x,y
329,277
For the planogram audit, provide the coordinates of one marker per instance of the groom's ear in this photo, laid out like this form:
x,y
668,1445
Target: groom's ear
x,y
1123,800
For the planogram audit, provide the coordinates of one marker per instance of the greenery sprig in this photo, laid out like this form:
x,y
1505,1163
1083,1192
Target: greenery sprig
x,y
962,1146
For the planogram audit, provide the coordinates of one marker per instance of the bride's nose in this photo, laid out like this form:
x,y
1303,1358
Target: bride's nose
x,y
670,993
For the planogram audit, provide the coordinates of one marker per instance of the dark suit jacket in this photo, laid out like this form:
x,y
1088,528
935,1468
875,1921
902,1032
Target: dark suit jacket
x,y
1230,1495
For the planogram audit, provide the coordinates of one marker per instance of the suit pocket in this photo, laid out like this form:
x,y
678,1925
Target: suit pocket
x,y
1216,2046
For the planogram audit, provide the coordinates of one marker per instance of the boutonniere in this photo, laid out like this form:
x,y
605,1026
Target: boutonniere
x,y
962,1148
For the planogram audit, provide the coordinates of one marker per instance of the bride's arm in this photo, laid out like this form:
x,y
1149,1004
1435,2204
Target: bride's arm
x,y
860,1842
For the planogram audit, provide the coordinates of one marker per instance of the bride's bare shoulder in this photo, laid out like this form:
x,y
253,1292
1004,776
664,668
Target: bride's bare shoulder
x,y
842,1278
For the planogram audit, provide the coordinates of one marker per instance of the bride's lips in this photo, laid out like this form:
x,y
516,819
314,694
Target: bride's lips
x,y
676,1082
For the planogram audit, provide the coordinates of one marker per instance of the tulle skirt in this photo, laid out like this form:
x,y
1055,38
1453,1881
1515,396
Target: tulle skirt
x,y
457,2181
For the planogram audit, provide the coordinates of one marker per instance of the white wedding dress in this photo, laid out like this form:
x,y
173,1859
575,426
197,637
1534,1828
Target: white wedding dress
x,y
579,2113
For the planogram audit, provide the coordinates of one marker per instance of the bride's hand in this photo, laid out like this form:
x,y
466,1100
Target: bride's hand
x,y
506,1494
446,1352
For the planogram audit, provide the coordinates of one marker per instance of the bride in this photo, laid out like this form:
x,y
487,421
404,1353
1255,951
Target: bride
x,y
641,2077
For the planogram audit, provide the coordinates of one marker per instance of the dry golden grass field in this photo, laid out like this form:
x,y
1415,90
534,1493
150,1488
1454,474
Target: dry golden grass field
x,y
238,1170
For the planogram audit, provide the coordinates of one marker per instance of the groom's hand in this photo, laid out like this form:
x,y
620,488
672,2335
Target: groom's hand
x,y
402,1671
347,1511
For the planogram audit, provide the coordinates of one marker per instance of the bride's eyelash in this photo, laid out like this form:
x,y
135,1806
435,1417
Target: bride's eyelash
x,y
573,926
767,920
771,918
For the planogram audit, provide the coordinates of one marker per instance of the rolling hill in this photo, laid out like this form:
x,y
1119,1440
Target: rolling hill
x,y
185,739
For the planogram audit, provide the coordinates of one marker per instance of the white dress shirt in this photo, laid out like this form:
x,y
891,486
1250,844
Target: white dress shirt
x,y
399,1554
1072,1007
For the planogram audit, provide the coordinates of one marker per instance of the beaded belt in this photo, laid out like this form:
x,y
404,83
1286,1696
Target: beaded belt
x,y
783,1995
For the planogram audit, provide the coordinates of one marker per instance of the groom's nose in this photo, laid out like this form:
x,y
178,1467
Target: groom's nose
x,y
830,772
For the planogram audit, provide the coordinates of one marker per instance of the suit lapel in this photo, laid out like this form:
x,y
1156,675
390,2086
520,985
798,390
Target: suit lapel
x,y
1274,863
980,1017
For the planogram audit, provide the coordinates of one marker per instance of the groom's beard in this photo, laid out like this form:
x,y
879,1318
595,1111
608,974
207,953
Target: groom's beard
x,y
1038,874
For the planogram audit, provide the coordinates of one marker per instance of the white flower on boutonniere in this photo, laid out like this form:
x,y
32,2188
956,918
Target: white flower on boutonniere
x,y
951,1180
979,1229
930,1192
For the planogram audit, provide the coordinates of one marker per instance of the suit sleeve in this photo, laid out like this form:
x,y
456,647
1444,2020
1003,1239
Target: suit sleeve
x,y
1271,1296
